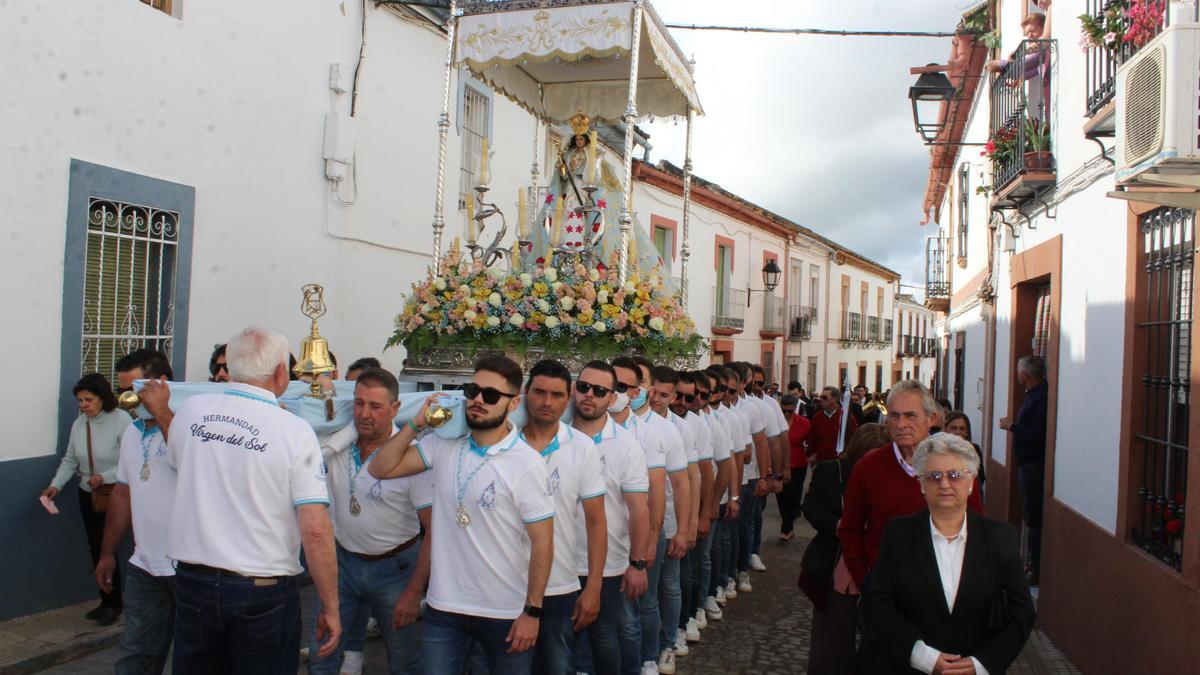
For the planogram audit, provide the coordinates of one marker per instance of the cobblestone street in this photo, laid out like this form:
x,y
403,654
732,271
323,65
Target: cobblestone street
x,y
764,632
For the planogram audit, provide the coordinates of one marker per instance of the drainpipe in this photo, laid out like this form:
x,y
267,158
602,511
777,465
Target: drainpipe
x,y
787,303
828,285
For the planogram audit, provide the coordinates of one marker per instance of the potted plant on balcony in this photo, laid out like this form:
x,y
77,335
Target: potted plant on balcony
x,y
1037,146
1106,30
1002,145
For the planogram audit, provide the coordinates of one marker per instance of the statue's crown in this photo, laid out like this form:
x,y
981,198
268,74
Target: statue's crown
x,y
580,123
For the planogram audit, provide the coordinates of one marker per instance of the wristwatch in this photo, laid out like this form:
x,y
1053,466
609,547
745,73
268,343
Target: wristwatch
x,y
735,498
535,612
637,564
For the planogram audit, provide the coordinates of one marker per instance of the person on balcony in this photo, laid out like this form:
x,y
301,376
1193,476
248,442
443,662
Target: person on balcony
x,y
1037,65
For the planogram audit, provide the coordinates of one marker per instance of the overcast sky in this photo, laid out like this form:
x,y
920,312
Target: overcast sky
x,y
817,129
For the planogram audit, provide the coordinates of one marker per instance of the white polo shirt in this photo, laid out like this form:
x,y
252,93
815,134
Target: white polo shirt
x,y
483,569
244,465
387,508
753,417
151,500
781,423
649,440
624,467
573,474
702,435
719,424
677,460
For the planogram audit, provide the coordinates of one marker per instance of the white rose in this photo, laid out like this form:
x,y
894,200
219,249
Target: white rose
x,y
594,275
526,280
567,303
600,328
493,321
465,289
551,275
557,286
602,297
551,322
470,315
543,306
494,300
439,283
657,323
516,320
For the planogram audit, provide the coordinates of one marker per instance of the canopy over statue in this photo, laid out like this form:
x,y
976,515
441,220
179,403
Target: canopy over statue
x,y
554,58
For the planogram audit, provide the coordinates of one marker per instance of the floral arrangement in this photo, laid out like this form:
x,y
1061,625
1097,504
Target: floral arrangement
x,y
576,310
1133,22
1002,146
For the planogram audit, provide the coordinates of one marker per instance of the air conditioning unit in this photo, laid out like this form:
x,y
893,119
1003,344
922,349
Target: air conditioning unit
x,y
1158,107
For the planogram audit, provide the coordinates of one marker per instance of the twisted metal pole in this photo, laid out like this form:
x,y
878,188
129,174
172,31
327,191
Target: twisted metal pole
x,y
685,251
443,124
630,118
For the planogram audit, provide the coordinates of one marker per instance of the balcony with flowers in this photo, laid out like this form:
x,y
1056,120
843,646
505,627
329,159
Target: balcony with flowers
x,y
1111,32
1020,145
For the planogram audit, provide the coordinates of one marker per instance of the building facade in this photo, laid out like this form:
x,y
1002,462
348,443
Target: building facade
x,y
1051,249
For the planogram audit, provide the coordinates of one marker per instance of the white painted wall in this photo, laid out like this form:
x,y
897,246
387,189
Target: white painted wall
x,y
231,99
851,355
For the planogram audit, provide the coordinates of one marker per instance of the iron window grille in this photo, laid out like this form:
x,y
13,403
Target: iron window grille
x,y
1168,236
964,202
474,130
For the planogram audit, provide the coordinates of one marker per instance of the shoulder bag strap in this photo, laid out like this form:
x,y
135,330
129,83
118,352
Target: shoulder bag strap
x,y
91,465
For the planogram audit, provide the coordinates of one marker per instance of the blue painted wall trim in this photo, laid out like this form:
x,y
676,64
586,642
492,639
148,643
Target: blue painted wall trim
x,y
44,560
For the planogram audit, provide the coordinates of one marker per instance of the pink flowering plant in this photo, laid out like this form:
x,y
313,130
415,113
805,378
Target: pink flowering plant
x,y
573,310
1124,22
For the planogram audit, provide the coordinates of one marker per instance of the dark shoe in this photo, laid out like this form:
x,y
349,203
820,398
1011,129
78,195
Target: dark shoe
x,y
108,615
92,615
1032,578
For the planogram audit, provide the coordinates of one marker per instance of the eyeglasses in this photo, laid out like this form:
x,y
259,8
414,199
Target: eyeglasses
x,y
686,398
219,367
491,395
702,395
622,387
596,390
722,389
955,476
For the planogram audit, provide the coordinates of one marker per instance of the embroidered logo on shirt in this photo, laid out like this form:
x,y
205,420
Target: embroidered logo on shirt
x,y
375,494
487,499
322,471
603,464
552,483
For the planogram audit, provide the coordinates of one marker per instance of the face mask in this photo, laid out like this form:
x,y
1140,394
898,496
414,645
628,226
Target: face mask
x,y
620,403
640,400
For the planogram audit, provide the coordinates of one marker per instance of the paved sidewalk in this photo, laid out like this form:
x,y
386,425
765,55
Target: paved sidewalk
x,y
33,643
764,632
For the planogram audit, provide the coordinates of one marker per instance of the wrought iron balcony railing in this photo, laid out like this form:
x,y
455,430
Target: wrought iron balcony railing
x,y
729,308
873,329
774,315
936,284
800,322
1019,125
888,333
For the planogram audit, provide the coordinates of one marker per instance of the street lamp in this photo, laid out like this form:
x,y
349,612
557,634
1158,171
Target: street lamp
x,y
931,89
770,275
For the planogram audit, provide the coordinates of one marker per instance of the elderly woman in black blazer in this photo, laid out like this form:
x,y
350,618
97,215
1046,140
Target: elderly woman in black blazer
x,y
948,592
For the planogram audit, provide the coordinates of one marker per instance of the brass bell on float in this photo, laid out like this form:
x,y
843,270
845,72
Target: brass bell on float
x,y
314,349
436,416
129,400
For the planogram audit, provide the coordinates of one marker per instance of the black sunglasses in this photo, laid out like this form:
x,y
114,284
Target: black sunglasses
x,y
702,395
686,398
622,387
722,389
596,390
491,395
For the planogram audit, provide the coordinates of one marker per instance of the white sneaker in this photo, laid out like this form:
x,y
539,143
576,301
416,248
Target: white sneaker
x,y
756,563
744,582
666,662
701,619
352,663
373,626
720,597
304,653
731,590
691,633
651,668
713,610
681,644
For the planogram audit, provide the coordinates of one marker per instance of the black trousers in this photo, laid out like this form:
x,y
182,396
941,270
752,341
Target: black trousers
x,y
790,498
1032,479
93,525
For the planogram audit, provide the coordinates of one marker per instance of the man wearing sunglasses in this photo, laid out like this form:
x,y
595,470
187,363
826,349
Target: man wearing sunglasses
x,y
218,368
738,431
615,635
575,482
685,415
827,426
492,526
759,460
776,432
714,496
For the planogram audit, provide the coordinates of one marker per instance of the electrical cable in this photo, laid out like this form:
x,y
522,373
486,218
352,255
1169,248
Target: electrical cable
x,y
814,31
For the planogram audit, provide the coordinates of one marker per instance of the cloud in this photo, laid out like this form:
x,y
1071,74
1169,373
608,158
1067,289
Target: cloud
x,y
817,129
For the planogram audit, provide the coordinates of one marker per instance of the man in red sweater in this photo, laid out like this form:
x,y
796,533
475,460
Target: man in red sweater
x,y
826,425
883,484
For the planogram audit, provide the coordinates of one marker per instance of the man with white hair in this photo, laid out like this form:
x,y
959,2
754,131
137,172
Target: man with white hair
x,y
251,489
884,483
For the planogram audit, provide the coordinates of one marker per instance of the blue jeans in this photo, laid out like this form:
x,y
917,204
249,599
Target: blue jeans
x,y
719,552
611,644
760,503
227,623
648,603
693,578
446,640
149,622
669,599
554,653
745,525
371,588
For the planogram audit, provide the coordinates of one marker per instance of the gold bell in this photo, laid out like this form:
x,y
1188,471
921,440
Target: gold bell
x,y
314,349
437,416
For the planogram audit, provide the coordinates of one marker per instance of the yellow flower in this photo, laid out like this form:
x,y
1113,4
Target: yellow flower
x,y
585,318
540,289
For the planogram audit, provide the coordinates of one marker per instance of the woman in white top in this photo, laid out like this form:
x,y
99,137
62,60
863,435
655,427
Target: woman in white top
x,y
100,425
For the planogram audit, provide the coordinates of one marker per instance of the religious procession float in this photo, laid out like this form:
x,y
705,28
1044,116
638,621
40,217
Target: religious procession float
x,y
578,279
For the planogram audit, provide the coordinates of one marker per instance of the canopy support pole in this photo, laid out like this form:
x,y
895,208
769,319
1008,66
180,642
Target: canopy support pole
x,y
685,251
630,118
443,124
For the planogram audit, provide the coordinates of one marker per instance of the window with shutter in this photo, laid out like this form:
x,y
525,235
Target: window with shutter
x,y
473,119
